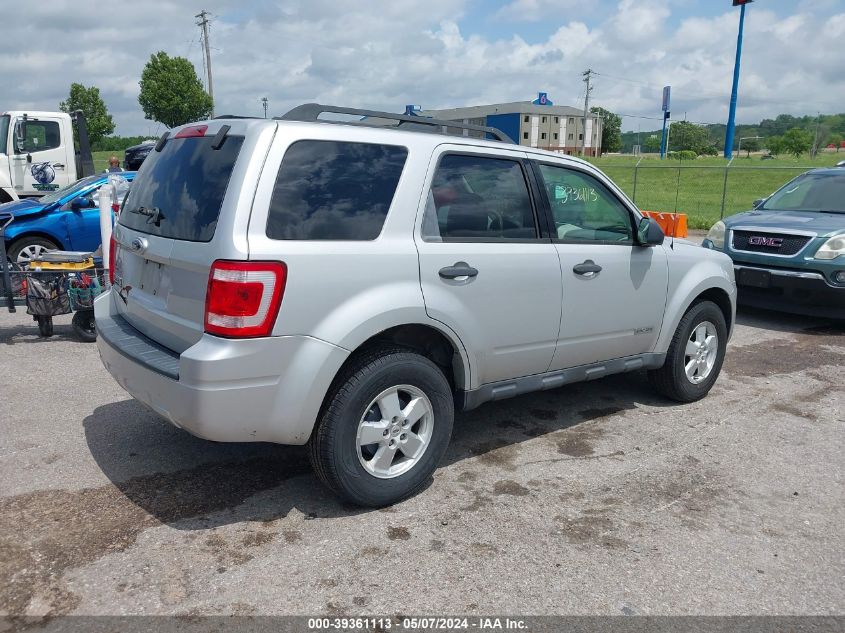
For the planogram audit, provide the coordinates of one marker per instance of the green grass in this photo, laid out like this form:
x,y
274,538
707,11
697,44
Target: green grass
x,y
101,160
697,187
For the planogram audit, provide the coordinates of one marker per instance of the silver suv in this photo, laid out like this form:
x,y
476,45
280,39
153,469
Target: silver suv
x,y
350,285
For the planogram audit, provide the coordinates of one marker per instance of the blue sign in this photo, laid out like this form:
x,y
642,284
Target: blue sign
x,y
543,99
411,110
667,95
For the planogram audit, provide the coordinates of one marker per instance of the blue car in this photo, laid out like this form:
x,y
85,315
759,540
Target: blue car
x,y
67,219
789,251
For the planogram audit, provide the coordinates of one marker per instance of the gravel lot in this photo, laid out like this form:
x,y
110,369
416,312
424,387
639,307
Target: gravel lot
x,y
593,499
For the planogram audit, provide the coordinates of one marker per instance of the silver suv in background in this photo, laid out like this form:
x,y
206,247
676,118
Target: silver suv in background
x,y
350,285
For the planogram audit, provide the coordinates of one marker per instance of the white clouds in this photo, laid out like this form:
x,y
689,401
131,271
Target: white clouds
x,y
534,10
392,52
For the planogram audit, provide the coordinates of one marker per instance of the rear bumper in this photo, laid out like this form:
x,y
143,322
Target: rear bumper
x,y
799,292
249,390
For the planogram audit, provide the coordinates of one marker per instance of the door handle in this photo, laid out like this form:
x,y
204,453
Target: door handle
x,y
587,269
458,270
59,165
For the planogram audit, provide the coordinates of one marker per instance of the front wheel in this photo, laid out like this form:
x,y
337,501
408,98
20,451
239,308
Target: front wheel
x,y
83,325
384,428
27,249
695,355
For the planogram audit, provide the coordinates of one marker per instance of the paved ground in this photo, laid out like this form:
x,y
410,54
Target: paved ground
x,y
592,499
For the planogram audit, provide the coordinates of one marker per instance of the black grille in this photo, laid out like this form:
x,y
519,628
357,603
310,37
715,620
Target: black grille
x,y
787,244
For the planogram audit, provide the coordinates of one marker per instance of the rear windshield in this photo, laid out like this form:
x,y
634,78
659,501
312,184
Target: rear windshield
x,y
179,190
330,190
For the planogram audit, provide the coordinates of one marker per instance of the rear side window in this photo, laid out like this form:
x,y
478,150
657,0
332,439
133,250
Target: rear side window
x,y
179,191
333,190
478,198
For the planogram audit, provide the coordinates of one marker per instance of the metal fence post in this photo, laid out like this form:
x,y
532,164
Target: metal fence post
x,y
725,189
636,171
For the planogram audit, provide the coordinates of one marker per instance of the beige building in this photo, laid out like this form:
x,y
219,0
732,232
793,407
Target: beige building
x,y
549,127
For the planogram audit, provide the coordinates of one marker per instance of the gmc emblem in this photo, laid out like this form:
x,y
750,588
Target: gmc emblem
x,y
761,240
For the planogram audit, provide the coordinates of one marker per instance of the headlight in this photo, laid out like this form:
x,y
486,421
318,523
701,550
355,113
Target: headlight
x,y
717,234
831,249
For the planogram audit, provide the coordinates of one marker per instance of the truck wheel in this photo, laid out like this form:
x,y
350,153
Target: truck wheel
x,y
384,427
28,248
83,325
695,355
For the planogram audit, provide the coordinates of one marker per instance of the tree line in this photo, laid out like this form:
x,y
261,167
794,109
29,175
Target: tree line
x,y
785,134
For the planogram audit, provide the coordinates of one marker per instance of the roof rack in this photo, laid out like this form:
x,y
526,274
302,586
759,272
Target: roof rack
x,y
311,112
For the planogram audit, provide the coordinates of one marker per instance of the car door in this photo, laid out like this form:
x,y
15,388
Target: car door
x,y
614,291
41,165
83,222
486,270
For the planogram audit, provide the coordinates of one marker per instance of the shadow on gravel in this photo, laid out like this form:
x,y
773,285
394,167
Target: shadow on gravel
x,y
785,322
20,334
190,483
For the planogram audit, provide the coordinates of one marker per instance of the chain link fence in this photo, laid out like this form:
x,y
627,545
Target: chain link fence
x,y
705,193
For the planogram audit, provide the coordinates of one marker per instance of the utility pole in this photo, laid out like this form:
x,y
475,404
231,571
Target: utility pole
x,y
264,103
203,23
815,149
587,74
729,132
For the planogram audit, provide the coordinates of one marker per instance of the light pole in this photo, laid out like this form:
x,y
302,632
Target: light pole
x,y
745,138
729,134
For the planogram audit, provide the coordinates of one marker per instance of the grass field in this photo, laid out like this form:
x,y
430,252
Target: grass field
x,y
696,187
101,159
693,187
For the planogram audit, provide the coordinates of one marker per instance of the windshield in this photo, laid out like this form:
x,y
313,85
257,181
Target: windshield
x,y
4,132
50,198
820,191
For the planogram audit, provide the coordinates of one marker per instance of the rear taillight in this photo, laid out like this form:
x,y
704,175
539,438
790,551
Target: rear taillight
x,y
243,298
112,253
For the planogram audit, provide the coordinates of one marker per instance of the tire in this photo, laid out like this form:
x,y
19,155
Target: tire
x,y
358,472
83,325
45,325
22,250
672,380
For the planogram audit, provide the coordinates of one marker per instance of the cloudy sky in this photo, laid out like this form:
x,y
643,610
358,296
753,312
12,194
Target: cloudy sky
x,y
437,53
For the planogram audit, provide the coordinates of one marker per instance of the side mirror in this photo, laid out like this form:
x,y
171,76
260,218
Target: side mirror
x,y
758,203
649,233
77,204
19,138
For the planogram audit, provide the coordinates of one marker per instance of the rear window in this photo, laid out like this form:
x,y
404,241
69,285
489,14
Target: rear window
x,y
331,190
179,190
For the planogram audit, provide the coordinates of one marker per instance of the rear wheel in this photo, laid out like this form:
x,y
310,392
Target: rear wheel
x,y
384,429
83,325
27,249
695,355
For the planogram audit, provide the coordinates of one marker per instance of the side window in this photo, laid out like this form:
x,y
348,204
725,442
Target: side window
x,y
334,190
475,197
583,208
40,135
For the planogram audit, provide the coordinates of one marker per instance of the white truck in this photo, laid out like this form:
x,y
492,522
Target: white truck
x,y
37,153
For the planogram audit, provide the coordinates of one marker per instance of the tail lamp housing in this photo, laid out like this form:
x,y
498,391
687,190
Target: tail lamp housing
x,y
243,298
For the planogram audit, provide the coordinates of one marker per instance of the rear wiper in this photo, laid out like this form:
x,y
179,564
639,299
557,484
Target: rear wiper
x,y
154,215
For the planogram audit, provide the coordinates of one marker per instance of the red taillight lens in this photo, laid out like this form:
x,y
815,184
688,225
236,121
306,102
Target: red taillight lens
x,y
192,130
243,298
112,253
